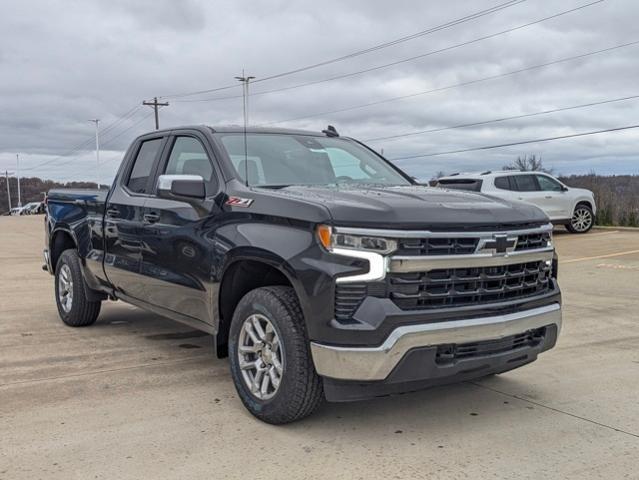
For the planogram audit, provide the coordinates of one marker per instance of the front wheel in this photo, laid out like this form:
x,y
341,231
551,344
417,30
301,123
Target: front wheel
x,y
582,220
75,309
270,358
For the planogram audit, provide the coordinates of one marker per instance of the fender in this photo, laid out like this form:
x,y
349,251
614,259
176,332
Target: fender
x,y
292,250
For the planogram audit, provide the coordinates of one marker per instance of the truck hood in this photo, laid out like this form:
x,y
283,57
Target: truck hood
x,y
413,207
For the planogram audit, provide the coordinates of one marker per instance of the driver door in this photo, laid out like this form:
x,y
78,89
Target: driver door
x,y
553,198
176,243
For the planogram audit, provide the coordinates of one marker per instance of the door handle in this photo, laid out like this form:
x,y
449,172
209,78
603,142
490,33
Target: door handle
x,y
112,212
548,196
151,217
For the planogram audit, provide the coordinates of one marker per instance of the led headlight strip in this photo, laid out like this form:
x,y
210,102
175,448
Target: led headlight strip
x,y
373,249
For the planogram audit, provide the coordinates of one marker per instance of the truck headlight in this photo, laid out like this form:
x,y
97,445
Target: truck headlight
x,y
332,240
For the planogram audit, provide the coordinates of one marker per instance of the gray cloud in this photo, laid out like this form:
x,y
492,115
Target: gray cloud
x,y
63,66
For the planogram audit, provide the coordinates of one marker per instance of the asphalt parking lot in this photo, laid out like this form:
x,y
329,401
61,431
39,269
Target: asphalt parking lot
x,y
138,396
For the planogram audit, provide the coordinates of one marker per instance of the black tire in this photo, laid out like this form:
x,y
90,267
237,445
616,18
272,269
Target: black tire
x,y
300,389
581,211
82,312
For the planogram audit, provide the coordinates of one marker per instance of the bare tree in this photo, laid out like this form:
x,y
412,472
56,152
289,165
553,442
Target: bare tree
x,y
528,163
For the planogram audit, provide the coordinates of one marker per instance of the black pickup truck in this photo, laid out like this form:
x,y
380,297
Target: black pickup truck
x,y
322,270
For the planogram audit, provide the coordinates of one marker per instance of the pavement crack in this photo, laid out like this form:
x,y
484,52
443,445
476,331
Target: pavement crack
x,y
557,410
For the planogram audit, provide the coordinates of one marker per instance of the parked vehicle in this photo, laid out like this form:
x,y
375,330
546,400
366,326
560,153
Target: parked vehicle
x,y
322,269
573,207
16,210
32,208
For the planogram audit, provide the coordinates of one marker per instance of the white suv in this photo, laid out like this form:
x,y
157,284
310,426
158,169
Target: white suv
x,y
573,207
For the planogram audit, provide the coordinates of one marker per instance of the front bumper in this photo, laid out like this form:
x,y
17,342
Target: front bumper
x,y
46,266
366,364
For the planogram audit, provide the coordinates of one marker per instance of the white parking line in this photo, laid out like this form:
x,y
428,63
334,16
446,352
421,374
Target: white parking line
x,y
609,255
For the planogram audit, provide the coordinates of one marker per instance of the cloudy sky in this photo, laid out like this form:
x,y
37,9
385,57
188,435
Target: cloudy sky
x,y
61,66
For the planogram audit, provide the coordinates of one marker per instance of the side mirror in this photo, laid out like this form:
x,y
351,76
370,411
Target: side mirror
x,y
564,188
181,187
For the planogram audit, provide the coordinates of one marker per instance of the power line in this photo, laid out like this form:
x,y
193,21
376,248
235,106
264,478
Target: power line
x,y
502,119
150,114
405,60
457,85
155,104
87,142
380,46
524,142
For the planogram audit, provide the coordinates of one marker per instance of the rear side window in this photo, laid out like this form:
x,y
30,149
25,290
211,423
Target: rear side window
x,y
526,183
504,183
143,165
471,184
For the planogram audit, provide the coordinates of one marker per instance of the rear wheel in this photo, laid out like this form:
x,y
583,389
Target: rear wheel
x,y
582,220
270,358
75,309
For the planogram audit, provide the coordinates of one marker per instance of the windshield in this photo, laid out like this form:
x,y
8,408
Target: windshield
x,y
279,160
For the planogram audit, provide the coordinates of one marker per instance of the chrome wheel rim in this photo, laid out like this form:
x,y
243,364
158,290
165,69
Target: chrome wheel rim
x,y
260,356
581,219
65,288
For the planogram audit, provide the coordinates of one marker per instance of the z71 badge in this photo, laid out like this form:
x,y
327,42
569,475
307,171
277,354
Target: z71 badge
x,y
239,202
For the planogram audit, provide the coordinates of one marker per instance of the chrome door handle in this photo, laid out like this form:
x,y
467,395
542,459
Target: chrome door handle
x,y
151,217
112,212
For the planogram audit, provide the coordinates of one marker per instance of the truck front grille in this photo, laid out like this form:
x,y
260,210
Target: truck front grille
x,y
452,352
448,287
463,245
464,286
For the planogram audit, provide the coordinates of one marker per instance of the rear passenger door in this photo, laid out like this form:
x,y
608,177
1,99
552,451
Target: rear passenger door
x,y
123,218
527,189
177,262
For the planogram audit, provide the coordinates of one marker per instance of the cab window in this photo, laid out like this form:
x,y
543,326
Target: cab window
x,y
188,157
549,184
526,183
143,165
504,183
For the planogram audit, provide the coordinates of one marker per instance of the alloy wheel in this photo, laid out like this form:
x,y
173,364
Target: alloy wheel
x,y
581,220
65,288
260,356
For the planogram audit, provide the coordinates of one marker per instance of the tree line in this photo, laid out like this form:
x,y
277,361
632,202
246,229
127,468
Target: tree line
x,y
617,196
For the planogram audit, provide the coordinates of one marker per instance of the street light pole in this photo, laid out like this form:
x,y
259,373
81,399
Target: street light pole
x,y
18,175
97,149
6,175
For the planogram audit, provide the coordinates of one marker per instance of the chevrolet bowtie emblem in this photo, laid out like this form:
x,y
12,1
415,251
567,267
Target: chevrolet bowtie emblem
x,y
500,243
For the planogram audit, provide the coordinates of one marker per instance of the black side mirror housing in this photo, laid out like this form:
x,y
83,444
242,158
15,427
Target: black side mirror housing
x,y
186,188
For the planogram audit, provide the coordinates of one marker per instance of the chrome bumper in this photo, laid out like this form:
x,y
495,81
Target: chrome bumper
x,y
47,264
376,363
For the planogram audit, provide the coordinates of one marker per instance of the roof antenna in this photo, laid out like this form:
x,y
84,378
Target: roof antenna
x,y
245,80
330,131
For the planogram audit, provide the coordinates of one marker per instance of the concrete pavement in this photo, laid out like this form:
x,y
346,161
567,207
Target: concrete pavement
x,y
138,396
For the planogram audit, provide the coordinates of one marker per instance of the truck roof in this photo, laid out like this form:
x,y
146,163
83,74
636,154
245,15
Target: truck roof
x,y
240,129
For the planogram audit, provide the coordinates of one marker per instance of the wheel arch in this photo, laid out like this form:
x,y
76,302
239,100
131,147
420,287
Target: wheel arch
x,y
243,273
586,203
61,240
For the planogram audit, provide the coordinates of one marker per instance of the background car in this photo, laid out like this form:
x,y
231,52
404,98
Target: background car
x,y
573,207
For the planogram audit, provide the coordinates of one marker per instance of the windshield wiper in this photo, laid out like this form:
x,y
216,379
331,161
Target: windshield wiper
x,y
274,187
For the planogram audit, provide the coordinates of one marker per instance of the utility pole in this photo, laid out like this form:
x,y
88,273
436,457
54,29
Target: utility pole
x,y
97,149
155,104
18,175
245,80
6,175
